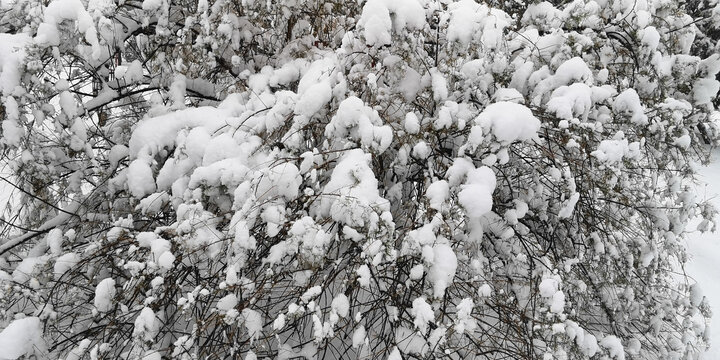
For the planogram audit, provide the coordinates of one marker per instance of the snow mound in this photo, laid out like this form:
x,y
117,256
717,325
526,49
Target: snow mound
x,y
21,337
509,122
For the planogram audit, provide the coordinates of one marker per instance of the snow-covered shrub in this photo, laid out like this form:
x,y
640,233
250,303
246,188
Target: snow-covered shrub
x,y
331,179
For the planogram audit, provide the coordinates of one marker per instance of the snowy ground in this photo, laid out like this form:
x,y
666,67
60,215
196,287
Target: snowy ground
x,y
704,266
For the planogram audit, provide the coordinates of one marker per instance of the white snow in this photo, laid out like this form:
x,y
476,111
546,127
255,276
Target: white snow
x,y
159,249
464,17
470,20
407,14
683,141
412,124
117,153
68,104
12,53
140,178
628,103
571,101
421,150
417,271
253,323
104,294
311,293
356,121
439,85
21,337
159,132
423,314
358,337
341,305
567,209
153,203
705,90
509,95
465,322
363,275
437,193
60,10
376,23
548,287
282,180
557,302
543,14
476,195
151,5
25,270
586,341
613,346
133,72
485,290
177,92
442,271
650,37
357,186
613,151
380,17
572,70
509,122
166,260
476,199
314,99
146,325
64,263
11,130
279,322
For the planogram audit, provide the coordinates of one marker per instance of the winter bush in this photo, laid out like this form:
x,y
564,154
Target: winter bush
x,y
388,179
